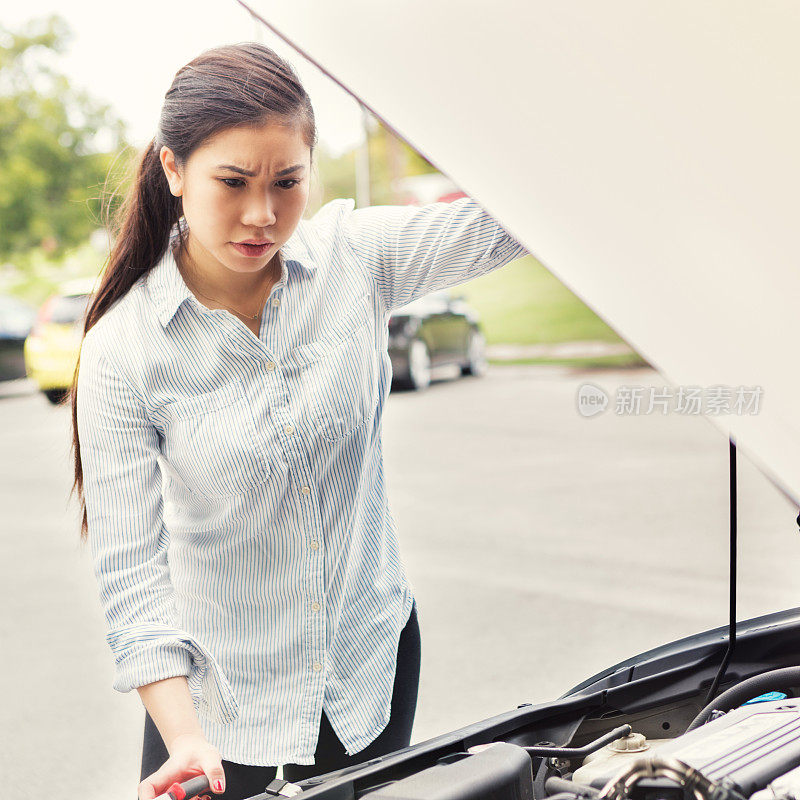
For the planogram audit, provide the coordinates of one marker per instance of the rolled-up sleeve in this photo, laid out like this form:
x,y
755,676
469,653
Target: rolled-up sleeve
x,y
122,486
413,250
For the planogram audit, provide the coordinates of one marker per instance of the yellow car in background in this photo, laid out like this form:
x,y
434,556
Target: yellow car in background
x,y
51,349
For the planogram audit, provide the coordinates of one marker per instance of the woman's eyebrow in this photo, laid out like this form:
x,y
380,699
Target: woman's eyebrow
x,y
249,174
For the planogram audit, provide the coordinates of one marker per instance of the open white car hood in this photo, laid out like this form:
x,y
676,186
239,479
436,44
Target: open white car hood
x,y
648,154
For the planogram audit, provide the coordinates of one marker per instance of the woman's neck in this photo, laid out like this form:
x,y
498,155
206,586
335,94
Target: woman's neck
x,y
226,288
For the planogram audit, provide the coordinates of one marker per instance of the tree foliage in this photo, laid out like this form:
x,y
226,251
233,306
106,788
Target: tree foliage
x,y
56,145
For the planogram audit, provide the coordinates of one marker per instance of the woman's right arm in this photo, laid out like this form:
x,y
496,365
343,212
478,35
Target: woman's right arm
x,y
173,671
171,707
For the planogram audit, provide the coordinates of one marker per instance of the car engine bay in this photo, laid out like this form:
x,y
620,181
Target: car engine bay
x,y
745,745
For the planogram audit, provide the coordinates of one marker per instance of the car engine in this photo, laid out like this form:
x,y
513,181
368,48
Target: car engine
x,y
744,745
750,752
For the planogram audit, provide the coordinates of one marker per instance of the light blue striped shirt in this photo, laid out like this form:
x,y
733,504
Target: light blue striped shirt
x,y
238,517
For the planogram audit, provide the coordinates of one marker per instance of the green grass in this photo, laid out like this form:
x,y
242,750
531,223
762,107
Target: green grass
x,y
620,361
522,303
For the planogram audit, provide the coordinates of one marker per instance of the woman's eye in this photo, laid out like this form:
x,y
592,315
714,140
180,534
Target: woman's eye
x,y
236,183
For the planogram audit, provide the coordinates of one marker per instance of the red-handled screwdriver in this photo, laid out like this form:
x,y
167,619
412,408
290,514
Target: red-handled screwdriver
x,y
187,789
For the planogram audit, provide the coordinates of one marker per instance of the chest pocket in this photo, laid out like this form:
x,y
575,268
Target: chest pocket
x,y
339,374
210,442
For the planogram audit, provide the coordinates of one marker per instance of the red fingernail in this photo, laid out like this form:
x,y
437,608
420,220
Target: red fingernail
x,y
217,786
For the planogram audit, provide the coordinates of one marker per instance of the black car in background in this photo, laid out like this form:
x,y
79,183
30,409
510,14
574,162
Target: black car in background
x,y
432,337
16,321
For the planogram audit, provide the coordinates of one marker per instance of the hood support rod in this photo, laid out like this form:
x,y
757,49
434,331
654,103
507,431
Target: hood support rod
x,y
731,575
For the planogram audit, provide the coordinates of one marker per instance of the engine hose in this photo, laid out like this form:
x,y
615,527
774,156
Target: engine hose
x,y
775,680
554,785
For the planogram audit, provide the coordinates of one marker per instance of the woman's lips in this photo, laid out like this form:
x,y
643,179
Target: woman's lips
x,y
252,250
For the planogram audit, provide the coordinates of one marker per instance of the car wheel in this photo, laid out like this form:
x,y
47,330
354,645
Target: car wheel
x,y
476,355
56,396
419,366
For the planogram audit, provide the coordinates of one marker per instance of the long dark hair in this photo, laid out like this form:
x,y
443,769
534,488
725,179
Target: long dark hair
x,y
242,84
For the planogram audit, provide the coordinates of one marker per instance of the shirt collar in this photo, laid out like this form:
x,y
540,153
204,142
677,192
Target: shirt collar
x,y
168,289
295,249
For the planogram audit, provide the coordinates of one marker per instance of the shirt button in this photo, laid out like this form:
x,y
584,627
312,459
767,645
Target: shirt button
x,y
288,429
315,606
270,366
317,666
313,544
276,302
305,490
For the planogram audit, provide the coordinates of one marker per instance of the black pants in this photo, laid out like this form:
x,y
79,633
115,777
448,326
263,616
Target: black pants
x,y
243,780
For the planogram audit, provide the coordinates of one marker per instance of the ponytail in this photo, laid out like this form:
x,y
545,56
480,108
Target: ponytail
x,y
147,216
145,221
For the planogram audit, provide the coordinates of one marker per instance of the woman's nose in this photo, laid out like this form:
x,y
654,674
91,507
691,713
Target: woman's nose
x,y
259,212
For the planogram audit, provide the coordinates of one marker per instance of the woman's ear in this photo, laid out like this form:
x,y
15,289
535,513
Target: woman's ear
x,y
174,177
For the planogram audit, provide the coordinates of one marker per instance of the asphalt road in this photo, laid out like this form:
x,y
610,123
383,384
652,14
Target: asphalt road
x,y
542,546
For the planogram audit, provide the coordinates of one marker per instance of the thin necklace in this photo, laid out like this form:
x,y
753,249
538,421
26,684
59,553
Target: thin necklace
x,y
233,310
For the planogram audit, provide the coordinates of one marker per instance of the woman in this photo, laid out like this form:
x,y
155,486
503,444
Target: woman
x,y
227,418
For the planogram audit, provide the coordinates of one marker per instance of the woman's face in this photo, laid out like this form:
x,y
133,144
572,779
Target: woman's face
x,y
245,184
